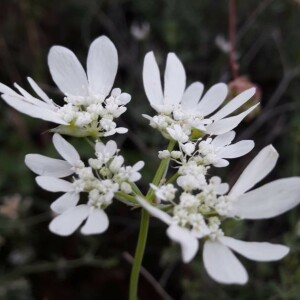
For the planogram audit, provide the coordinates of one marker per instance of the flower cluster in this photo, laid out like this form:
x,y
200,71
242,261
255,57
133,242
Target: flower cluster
x,y
104,176
191,201
182,113
89,107
195,203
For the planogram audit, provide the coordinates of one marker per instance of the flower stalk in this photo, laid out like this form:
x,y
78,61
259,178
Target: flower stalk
x,y
144,226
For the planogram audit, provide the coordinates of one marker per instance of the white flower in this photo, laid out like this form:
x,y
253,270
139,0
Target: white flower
x,y
268,201
186,104
165,192
130,173
71,192
47,166
85,94
67,223
105,152
216,151
176,132
105,176
71,216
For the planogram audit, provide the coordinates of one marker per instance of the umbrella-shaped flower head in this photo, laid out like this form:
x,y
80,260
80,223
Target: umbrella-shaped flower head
x,y
90,104
100,180
183,110
199,215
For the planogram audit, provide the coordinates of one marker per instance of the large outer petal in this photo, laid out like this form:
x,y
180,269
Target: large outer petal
x,y
222,265
97,222
155,212
47,166
234,104
189,244
67,72
212,99
32,110
192,96
29,98
52,184
224,125
151,80
223,139
255,250
236,150
102,65
66,223
260,166
65,149
269,200
174,80
4,89
65,202
38,90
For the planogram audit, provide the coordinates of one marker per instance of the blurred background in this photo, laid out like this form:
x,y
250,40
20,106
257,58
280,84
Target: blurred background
x,y
36,264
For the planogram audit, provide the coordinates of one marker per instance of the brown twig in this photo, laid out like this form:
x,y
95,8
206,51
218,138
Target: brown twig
x,y
156,285
234,66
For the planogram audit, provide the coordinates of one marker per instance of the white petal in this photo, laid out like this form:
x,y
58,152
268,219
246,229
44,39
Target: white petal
x,y
111,147
155,212
234,104
222,265
135,177
52,184
65,202
236,150
44,165
29,98
4,89
97,222
31,110
260,166
121,130
192,96
269,200
174,80
102,65
221,163
65,149
255,250
66,223
212,99
138,166
38,90
227,124
151,79
189,244
222,188
67,72
223,139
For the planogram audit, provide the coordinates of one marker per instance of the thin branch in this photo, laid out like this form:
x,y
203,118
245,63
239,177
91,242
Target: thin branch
x,y
156,285
234,67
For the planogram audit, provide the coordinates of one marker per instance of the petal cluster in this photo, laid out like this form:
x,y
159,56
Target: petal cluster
x,y
100,180
90,105
204,204
183,111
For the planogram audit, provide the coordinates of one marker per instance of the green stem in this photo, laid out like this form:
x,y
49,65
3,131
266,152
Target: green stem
x,y
130,200
160,171
144,225
173,178
138,257
90,142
